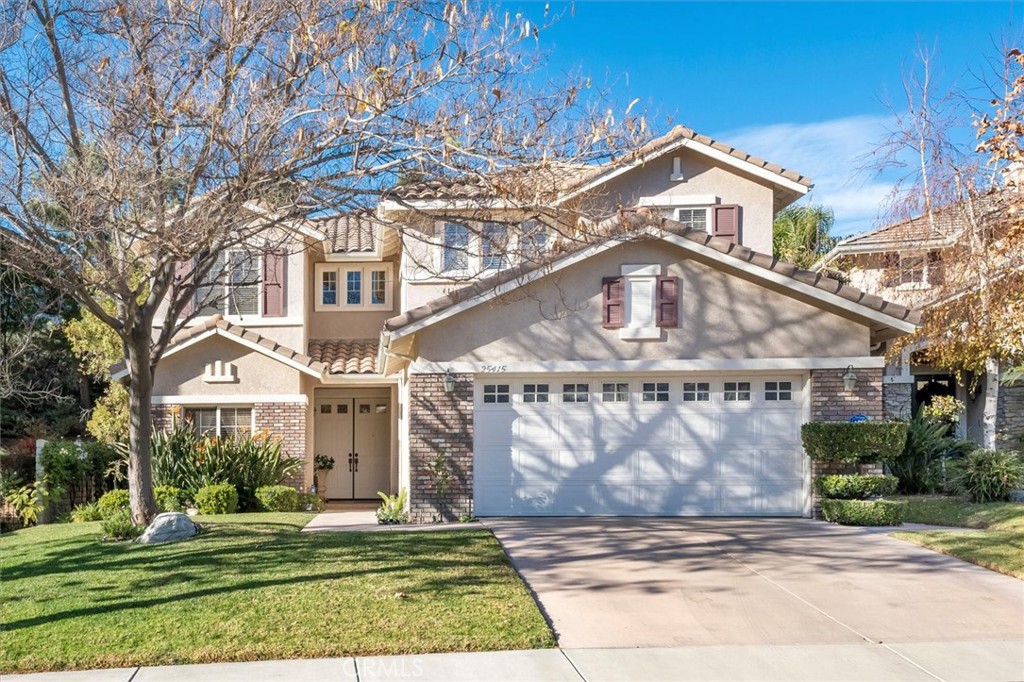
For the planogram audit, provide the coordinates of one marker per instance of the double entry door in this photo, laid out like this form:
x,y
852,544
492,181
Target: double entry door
x,y
356,432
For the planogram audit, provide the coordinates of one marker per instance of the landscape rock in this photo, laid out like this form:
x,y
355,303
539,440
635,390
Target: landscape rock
x,y
169,527
1017,496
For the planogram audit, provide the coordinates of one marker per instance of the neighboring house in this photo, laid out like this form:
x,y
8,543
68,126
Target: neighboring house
x,y
907,262
656,362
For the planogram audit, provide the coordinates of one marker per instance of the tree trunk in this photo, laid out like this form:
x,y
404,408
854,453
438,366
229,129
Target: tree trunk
x,y
991,405
140,431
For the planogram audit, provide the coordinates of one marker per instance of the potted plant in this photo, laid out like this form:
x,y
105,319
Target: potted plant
x,y
321,463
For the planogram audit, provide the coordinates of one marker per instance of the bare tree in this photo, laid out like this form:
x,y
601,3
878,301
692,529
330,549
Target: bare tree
x,y
143,138
967,194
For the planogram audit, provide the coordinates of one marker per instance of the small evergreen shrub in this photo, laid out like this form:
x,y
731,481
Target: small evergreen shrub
x,y
392,508
853,442
84,513
854,486
310,500
221,498
863,512
119,526
989,475
278,498
113,502
169,498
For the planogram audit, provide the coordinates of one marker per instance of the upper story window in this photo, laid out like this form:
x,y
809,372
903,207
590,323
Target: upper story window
x,y
533,241
365,286
456,247
232,286
640,302
918,270
494,246
693,218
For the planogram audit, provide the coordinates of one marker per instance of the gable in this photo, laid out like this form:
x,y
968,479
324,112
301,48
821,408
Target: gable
x,y
183,373
721,315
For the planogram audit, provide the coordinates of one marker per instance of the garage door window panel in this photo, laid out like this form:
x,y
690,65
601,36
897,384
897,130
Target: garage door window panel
x,y
655,392
696,392
737,391
615,392
575,393
536,393
495,394
775,391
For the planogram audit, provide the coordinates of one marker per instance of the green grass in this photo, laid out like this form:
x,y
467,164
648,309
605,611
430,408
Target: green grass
x,y
252,588
999,545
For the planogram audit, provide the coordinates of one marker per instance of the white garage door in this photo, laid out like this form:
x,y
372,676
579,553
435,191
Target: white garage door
x,y
665,446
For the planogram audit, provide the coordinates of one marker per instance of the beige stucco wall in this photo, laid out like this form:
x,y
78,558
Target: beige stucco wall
x,y
346,324
702,177
182,373
721,316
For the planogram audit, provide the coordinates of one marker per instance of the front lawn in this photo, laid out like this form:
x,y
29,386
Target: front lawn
x,y
999,546
251,588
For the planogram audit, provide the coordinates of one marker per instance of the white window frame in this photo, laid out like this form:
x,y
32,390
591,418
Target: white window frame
x,y
778,391
508,392
575,392
615,383
656,391
477,260
366,271
749,391
916,284
217,409
677,215
697,391
537,393
634,277
224,304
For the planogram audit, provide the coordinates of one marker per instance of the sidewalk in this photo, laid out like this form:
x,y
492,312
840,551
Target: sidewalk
x,y
988,660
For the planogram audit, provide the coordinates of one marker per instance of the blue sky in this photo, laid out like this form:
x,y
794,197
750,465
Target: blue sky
x,y
798,83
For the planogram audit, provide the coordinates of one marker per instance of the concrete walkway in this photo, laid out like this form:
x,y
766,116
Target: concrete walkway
x,y
984,661
365,521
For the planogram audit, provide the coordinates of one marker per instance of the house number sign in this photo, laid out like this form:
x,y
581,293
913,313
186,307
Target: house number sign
x,y
493,368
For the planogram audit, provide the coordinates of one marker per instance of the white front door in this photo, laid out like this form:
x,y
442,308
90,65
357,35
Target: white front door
x,y
639,445
356,433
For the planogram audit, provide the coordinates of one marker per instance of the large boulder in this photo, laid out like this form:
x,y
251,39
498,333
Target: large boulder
x,y
169,527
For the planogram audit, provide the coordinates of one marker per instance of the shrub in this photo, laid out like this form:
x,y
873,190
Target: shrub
x,y
310,502
64,463
853,442
169,498
392,508
184,460
278,498
84,513
854,487
921,464
120,527
29,501
989,475
863,512
221,498
114,502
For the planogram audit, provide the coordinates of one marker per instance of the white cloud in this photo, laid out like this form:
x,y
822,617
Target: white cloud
x,y
832,153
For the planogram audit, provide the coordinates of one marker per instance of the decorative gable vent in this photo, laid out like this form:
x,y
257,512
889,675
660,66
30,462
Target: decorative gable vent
x,y
219,372
677,170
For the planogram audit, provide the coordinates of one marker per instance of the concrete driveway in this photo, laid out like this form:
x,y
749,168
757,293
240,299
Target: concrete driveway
x,y
632,582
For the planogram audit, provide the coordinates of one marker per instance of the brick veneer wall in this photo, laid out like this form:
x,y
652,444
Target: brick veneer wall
x,y
831,402
286,421
440,422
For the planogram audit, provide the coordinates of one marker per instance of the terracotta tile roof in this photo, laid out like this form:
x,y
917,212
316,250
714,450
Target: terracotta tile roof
x,y
551,179
346,356
631,222
357,232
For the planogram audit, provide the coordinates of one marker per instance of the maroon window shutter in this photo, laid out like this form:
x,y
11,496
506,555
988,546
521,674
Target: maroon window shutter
x,y
273,283
613,303
182,272
725,222
668,301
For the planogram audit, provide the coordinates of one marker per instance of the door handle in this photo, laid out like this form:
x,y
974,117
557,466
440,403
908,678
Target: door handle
x,y
350,461
357,461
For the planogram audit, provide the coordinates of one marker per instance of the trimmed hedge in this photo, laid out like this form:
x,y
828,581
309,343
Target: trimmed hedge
x,y
114,502
278,498
169,498
311,500
853,441
863,512
221,498
854,486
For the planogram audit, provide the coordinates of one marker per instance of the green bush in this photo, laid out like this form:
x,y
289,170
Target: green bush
x,y
114,502
921,466
63,463
392,508
989,475
184,460
310,500
853,442
84,513
278,498
120,527
221,498
854,486
863,512
169,498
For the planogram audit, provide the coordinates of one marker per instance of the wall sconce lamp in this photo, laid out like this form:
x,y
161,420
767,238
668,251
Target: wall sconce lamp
x,y
449,381
849,379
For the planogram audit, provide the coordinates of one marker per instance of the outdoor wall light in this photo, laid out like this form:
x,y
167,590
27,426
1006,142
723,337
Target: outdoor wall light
x,y
849,379
449,381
